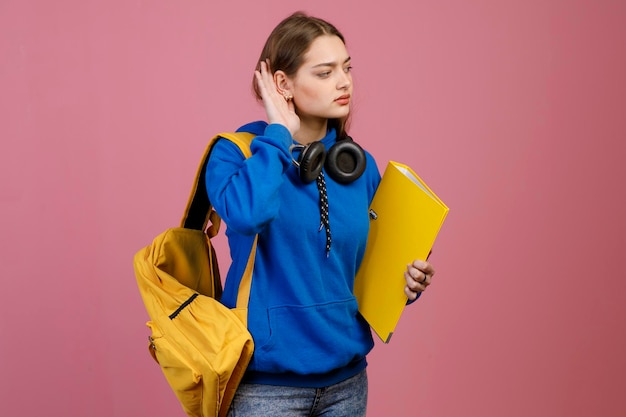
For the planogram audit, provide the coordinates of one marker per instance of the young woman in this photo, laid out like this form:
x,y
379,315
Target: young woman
x,y
312,222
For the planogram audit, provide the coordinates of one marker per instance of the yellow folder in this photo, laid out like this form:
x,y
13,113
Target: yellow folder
x,y
405,218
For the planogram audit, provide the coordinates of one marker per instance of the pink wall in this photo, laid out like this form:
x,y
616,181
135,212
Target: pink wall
x,y
513,111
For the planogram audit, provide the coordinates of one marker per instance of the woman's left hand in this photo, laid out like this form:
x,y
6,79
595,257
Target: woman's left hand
x,y
418,275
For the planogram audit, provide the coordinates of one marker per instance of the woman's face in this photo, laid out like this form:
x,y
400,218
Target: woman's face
x,y
322,86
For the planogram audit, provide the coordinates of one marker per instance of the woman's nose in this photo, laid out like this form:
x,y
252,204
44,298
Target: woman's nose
x,y
344,81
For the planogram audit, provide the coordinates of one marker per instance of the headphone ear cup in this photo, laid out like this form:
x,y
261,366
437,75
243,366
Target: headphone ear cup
x,y
345,161
311,161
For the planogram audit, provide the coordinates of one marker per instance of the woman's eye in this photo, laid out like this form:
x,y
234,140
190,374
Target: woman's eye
x,y
324,74
348,69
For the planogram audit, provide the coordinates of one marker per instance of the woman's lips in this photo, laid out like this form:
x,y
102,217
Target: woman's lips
x,y
343,100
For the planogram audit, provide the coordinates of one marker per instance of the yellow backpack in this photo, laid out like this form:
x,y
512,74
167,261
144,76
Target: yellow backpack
x,y
202,346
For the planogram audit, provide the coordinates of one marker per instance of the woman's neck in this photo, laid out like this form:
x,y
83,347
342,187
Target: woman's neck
x,y
311,130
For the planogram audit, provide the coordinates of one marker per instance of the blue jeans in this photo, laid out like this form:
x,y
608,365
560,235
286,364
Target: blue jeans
x,y
345,399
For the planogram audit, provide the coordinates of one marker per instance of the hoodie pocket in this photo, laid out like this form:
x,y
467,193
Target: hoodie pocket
x,y
313,339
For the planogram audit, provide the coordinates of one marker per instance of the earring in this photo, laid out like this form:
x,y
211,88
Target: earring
x,y
288,97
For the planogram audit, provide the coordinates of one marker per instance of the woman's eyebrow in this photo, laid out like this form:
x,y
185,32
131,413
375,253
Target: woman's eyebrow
x,y
331,64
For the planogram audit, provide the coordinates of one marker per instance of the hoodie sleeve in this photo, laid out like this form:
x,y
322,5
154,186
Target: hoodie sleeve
x,y
244,191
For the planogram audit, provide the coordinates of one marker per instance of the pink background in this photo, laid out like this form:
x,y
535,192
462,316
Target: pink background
x,y
513,111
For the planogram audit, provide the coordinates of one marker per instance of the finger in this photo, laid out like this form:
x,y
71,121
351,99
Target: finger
x,y
264,79
260,82
412,289
268,78
418,275
274,103
423,266
411,295
414,284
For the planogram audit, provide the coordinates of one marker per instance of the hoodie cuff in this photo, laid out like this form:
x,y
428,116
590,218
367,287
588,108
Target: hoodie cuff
x,y
280,134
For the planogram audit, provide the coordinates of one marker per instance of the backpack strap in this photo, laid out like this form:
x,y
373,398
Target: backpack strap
x,y
199,211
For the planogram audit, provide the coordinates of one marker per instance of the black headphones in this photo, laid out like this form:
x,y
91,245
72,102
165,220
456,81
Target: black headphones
x,y
344,161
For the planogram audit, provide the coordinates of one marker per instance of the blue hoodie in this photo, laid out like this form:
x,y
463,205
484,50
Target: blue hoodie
x,y
302,313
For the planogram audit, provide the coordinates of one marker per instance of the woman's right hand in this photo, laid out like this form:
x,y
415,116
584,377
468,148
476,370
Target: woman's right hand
x,y
278,109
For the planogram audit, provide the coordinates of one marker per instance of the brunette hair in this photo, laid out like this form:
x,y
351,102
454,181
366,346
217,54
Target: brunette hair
x,y
288,43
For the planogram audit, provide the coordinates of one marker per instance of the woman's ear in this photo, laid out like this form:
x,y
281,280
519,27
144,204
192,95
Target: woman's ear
x,y
283,84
